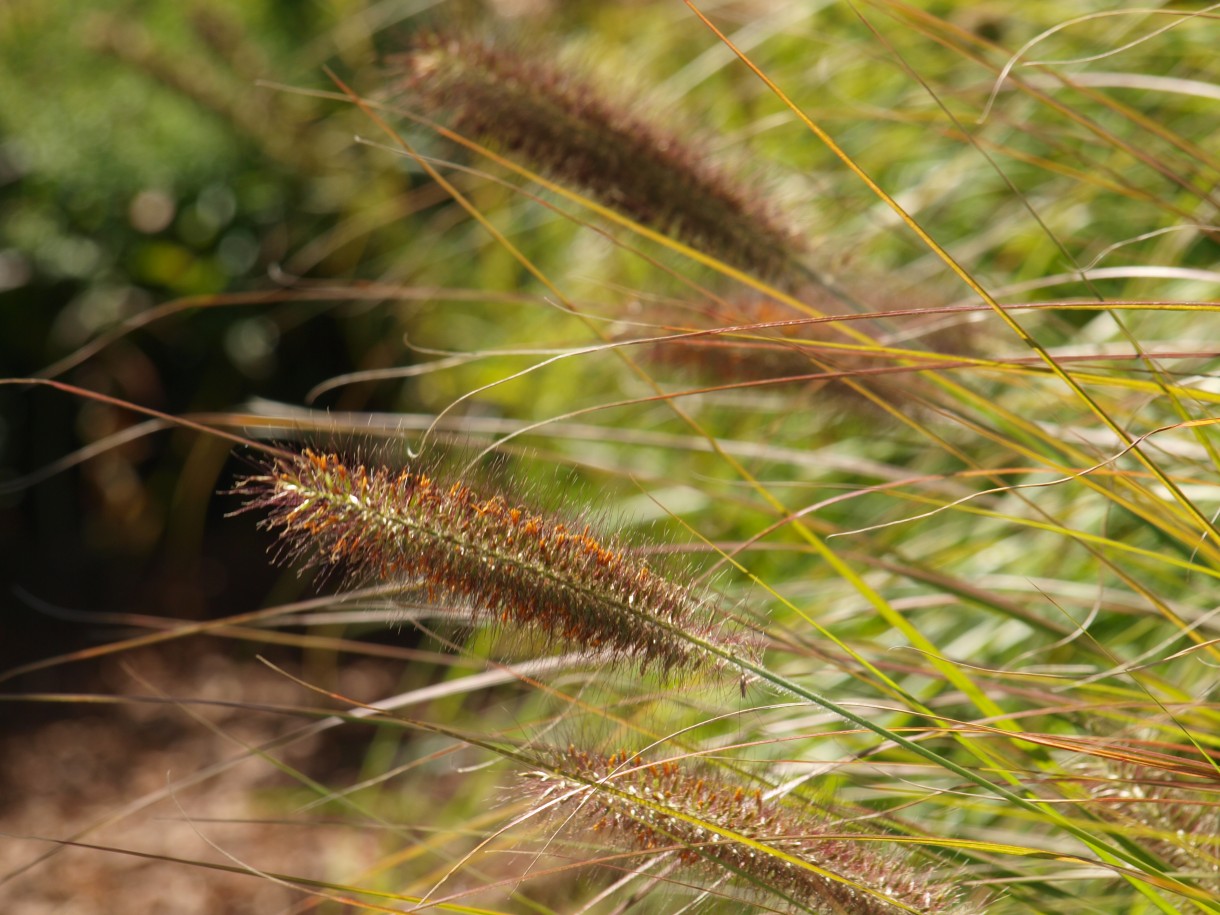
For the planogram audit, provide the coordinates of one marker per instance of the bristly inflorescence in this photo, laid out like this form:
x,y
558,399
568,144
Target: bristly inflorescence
x,y
564,126
1178,820
769,343
498,561
711,823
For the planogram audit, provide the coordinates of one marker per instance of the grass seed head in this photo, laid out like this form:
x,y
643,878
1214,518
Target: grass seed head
x,y
771,343
565,126
503,563
715,825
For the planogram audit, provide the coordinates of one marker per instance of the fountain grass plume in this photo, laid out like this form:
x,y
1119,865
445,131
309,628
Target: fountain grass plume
x,y
565,126
715,825
499,562
1179,819
768,343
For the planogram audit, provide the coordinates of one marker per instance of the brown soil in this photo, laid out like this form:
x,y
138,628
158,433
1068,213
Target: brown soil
x,y
127,776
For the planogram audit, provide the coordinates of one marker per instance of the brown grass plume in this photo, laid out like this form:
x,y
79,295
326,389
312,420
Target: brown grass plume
x,y
714,825
565,126
500,562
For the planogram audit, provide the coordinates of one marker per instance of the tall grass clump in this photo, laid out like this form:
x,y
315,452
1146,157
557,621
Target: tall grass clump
x,y
812,509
